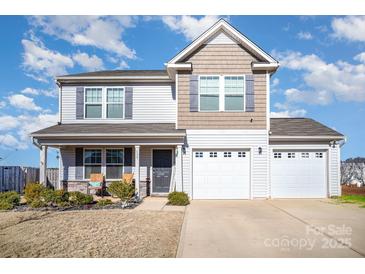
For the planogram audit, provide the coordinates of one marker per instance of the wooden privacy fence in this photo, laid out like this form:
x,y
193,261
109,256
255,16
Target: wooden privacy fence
x,y
16,177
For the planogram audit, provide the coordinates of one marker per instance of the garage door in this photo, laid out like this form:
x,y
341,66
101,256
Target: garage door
x,y
298,174
221,174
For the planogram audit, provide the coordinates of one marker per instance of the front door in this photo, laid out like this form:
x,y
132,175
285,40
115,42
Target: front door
x,y
161,170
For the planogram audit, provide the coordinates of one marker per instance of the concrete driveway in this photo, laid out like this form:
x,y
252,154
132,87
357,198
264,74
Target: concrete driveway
x,y
272,228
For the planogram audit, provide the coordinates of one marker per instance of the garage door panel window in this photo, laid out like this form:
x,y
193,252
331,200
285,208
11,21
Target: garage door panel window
x,y
305,155
227,154
319,155
213,154
291,155
241,154
277,155
199,154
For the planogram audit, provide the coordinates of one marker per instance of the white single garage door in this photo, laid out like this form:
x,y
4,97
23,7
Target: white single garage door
x,y
298,174
219,174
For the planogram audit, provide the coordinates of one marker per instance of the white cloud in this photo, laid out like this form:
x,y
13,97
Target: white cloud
x,y
286,110
36,92
324,81
103,32
8,122
89,62
40,62
360,57
275,82
9,141
23,102
304,35
17,130
2,104
351,28
122,65
191,27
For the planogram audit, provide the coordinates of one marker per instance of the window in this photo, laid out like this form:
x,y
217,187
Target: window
x,y
291,155
93,103
234,93
114,163
277,155
92,162
115,103
227,154
319,155
198,154
209,93
213,154
305,155
241,154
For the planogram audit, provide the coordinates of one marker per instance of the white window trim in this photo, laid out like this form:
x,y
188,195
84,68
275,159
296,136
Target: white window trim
x,y
244,92
103,103
106,163
106,103
93,164
222,97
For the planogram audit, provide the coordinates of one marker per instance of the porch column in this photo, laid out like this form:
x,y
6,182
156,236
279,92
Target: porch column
x,y
179,172
136,168
43,165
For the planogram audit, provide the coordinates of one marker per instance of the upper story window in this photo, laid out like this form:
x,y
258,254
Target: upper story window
x,y
209,93
221,93
93,102
234,90
115,102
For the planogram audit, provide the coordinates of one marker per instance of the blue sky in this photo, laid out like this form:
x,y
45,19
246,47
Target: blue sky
x,y
322,73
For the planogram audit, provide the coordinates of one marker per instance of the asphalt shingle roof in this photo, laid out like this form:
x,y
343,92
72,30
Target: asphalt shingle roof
x,y
119,73
300,127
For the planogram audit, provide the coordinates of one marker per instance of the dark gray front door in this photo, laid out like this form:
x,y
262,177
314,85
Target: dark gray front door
x,y
162,166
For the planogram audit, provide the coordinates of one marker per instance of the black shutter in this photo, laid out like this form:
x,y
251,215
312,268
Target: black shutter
x,y
250,93
128,102
79,102
127,156
79,163
194,93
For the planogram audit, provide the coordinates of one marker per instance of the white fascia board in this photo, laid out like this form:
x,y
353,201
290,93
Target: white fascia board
x,y
183,66
283,138
264,66
221,24
118,78
106,135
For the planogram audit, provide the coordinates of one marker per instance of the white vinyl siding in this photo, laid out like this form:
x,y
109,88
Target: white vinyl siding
x,y
249,140
151,104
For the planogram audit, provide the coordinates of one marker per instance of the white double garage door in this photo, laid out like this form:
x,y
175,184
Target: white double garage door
x,y
225,174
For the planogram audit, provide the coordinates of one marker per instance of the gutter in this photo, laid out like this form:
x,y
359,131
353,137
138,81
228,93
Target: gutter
x,y
110,135
324,137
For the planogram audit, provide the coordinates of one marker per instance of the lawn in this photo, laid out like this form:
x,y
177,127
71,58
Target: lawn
x,y
353,199
94,233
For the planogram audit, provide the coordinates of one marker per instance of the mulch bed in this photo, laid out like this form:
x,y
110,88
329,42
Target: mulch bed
x,y
353,190
94,206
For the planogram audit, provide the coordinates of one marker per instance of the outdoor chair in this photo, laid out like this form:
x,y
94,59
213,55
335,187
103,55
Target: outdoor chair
x,y
96,183
128,178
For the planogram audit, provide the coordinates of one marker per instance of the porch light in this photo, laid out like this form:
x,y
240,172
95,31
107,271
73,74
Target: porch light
x,y
260,150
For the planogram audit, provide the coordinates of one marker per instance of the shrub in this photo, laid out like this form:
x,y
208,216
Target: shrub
x,y
78,198
8,200
178,198
5,205
37,203
104,202
33,192
122,190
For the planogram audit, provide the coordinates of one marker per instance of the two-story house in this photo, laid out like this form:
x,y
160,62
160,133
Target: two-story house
x,y
201,126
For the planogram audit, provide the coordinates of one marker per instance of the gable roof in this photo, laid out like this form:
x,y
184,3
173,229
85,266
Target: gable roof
x,y
301,127
223,25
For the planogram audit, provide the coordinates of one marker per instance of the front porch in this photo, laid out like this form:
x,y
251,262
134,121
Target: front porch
x,y
154,158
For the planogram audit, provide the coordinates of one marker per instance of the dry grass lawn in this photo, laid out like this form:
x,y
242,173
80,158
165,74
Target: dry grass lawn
x,y
99,233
